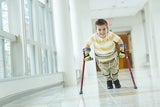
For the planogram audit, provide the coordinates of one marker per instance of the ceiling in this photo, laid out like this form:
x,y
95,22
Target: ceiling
x,y
115,8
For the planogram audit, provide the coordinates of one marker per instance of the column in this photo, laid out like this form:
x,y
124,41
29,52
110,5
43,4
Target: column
x,y
63,40
155,20
81,30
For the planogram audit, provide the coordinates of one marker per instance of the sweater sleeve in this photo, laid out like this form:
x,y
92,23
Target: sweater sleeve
x,y
118,40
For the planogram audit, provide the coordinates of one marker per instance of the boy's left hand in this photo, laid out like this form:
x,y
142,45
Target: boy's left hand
x,y
121,54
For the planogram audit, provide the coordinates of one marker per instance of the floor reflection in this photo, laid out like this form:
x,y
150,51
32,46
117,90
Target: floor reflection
x,y
95,93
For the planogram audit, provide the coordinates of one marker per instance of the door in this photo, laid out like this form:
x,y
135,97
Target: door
x,y
127,41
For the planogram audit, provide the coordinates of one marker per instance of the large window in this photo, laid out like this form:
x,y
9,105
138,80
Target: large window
x,y
30,42
40,37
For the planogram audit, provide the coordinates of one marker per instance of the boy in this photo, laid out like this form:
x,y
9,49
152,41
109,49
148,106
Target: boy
x,y
104,42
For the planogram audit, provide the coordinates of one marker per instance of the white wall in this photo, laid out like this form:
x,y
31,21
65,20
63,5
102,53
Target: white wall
x,y
138,42
15,86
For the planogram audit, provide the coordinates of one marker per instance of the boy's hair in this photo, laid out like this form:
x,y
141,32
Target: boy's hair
x,y
101,22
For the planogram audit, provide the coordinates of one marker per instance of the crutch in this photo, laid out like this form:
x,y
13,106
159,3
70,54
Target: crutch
x,y
129,67
83,67
82,76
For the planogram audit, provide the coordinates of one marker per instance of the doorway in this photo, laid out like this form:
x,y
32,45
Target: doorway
x,y
126,37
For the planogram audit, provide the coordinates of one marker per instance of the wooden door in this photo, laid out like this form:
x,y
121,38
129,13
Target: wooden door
x,y
122,61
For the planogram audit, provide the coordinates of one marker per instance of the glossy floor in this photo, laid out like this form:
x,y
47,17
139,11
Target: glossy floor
x,y
96,94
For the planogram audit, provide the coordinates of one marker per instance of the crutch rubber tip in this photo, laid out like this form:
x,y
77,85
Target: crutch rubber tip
x,y
135,87
81,92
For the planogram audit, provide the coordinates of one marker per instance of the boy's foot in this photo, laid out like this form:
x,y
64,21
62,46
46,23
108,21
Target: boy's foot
x,y
109,84
117,84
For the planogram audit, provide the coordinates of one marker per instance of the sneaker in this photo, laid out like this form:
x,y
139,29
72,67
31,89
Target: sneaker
x,y
117,84
109,84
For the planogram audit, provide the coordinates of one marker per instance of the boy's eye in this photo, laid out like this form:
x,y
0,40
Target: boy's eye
x,y
99,29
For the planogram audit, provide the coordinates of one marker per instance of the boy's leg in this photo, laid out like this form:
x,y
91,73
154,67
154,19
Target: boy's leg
x,y
106,72
114,71
116,80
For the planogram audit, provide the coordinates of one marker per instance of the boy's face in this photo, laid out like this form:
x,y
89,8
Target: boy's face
x,y
102,30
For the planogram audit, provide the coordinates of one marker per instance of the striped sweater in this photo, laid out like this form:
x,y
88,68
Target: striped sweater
x,y
104,46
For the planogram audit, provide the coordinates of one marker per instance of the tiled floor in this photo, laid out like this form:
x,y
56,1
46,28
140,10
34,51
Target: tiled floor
x,y
95,93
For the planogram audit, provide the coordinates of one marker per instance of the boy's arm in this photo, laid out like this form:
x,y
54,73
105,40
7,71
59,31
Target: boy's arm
x,y
121,45
87,49
117,39
86,52
87,45
121,49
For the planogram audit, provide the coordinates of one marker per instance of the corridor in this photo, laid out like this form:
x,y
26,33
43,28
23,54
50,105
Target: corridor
x,y
41,52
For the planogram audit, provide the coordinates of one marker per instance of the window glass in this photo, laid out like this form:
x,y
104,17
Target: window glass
x,y
28,19
31,65
54,63
4,16
44,61
42,32
5,59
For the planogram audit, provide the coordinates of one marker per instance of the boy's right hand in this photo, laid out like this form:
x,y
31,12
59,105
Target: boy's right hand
x,y
88,57
86,54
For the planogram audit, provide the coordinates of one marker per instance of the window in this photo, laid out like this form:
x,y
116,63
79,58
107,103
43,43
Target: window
x,y
40,36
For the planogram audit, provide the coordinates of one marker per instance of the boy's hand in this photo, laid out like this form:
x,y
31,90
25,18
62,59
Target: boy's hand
x,y
121,54
88,58
86,54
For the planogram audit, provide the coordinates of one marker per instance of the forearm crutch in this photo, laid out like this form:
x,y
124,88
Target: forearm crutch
x,y
85,58
129,67
82,76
